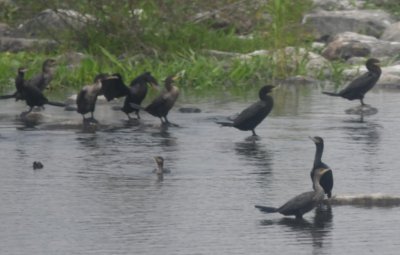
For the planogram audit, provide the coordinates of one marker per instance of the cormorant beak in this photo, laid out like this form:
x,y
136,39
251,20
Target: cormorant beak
x,y
23,70
312,138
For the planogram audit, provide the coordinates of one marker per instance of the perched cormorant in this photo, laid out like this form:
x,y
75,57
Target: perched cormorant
x,y
302,203
160,166
326,180
162,104
361,85
41,81
87,97
135,93
253,115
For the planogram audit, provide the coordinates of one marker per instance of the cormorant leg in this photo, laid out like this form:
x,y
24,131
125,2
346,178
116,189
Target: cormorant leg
x,y
129,116
83,116
254,132
162,121
91,115
137,115
166,120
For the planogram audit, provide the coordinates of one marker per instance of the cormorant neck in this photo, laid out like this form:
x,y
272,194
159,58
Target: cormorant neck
x,y
316,184
318,153
374,69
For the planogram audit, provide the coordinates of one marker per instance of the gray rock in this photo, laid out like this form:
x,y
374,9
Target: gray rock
x,y
50,22
330,5
22,44
349,44
4,29
330,23
392,33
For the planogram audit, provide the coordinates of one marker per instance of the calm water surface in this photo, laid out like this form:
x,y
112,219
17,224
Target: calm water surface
x,y
97,195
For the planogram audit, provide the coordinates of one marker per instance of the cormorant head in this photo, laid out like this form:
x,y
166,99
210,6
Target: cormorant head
x,y
372,62
100,76
159,161
265,90
170,80
49,63
148,78
317,140
22,70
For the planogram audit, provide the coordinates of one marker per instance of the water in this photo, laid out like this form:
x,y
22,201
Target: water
x,y
97,194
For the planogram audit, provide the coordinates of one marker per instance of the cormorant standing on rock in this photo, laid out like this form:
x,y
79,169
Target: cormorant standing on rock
x,y
253,115
162,104
326,180
302,203
135,93
361,85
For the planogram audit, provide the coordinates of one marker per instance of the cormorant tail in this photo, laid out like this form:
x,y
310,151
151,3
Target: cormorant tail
x,y
331,94
266,209
225,123
56,104
8,96
136,106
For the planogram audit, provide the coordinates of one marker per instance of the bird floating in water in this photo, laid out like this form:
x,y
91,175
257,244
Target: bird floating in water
x,y
302,203
253,115
326,180
160,166
362,84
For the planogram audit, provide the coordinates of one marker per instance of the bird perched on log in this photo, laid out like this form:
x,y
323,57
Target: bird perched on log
x,y
135,93
302,203
362,84
164,102
253,115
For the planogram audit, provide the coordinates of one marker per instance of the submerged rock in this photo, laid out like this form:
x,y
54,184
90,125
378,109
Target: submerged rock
x,y
363,110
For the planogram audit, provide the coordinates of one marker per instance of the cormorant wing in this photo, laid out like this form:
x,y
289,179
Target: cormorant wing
x,y
113,88
157,102
36,81
303,200
360,82
249,113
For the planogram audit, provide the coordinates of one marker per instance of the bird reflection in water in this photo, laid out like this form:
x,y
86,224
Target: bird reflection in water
x,y
164,138
255,154
315,230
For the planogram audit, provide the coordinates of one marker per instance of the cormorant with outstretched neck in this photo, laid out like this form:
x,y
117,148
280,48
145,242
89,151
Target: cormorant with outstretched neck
x,y
302,203
162,104
361,85
87,97
135,93
326,180
253,115
40,81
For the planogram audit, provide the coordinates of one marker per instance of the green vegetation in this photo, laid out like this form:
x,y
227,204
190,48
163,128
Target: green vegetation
x,y
165,36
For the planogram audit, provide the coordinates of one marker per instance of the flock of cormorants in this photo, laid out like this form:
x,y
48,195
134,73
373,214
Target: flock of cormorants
x,y
112,86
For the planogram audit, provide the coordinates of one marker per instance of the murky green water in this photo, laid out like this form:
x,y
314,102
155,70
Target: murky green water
x,y
97,194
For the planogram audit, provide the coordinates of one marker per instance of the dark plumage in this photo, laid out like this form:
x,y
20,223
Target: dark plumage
x,y
253,115
361,85
302,203
135,93
87,97
326,180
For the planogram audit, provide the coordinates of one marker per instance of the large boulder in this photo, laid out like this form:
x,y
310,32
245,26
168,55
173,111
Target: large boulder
x,y
332,5
330,23
347,45
392,33
23,44
51,22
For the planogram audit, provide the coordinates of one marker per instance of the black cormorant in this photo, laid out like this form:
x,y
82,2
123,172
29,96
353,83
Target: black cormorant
x,y
87,97
253,115
162,104
135,93
302,203
361,85
160,166
326,180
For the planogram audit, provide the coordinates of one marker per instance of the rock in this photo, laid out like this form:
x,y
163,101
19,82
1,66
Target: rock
x,y
189,110
349,44
53,22
330,5
23,44
299,80
330,23
4,29
392,33
363,110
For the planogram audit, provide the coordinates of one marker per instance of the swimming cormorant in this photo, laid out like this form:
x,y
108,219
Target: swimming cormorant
x,y
160,166
135,93
326,180
302,203
361,85
253,115
162,104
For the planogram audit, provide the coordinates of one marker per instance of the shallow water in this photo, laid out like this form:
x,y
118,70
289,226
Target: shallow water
x,y
97,194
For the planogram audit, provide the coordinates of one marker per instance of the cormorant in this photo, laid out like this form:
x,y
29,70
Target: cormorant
x,y
32,95
41,81
326,180
302,203
135,93
253,115
87,97
162,104
361,85
160,166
